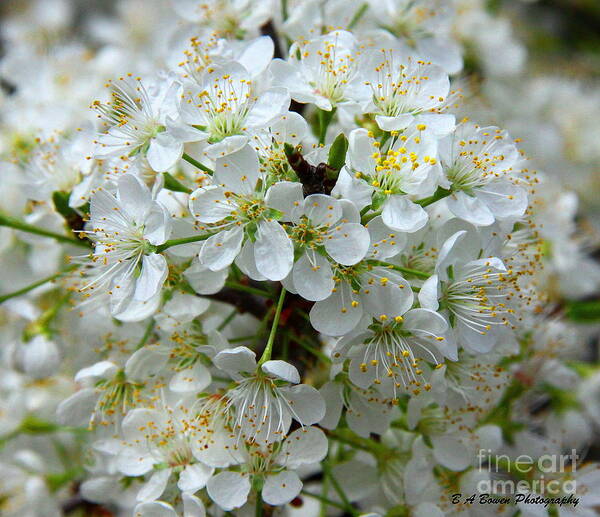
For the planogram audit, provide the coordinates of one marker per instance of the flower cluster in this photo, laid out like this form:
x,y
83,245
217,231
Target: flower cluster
x,y
274,270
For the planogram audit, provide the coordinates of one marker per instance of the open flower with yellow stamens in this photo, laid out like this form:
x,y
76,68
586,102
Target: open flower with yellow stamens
x,y
124,266
481,166
242,212
474,294
267,397
137,117
319,71
400,89
222,108
387,180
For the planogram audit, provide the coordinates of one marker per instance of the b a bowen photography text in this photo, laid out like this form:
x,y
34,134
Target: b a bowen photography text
x,y
549,481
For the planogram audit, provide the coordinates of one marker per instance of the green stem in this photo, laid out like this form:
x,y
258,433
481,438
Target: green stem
x,y
440,193
147,334
248,289
24,227
325,500
31,287
324,118
197,164
366,218
358,15
259,504
171,183
406,270
337,487
185,240
269,348
311,349
227,320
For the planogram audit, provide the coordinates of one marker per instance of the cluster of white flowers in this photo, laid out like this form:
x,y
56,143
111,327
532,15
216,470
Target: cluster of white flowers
x,y
255,264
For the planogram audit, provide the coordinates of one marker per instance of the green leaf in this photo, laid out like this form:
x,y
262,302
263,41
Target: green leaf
x,y
337,152
584,311
173,184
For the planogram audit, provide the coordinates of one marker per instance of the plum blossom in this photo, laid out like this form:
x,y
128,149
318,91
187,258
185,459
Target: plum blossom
x,y
125,229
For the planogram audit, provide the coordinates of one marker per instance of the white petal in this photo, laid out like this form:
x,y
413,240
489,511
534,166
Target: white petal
x,y
229,145
152,277
238,171
155,486
192,506
220,250
77,409
470,208
135,425
286,75
145,363
134,462
425,320
186,307
203,280
104,369
193,379
394,123
427,510
284,196
210,204
334,404
303,446
41,357
322,210
128,310
236,360
281,370
450,452
194,477
336,315
229,489
428,295
313,276
385,242
257,55
389,294
281,488
360,151
135,197
401,214
348,243
353,189
306,403
247,263
163,152
269,106
154,509
99,489
505,200
273,251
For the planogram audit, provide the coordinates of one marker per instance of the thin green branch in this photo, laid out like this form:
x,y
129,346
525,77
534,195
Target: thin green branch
x,y
324,118
358,15
401,269
184,240
248,289
325,500
227,320
17,224
337,487
269,348
31,287
197,164
147,334
440,193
